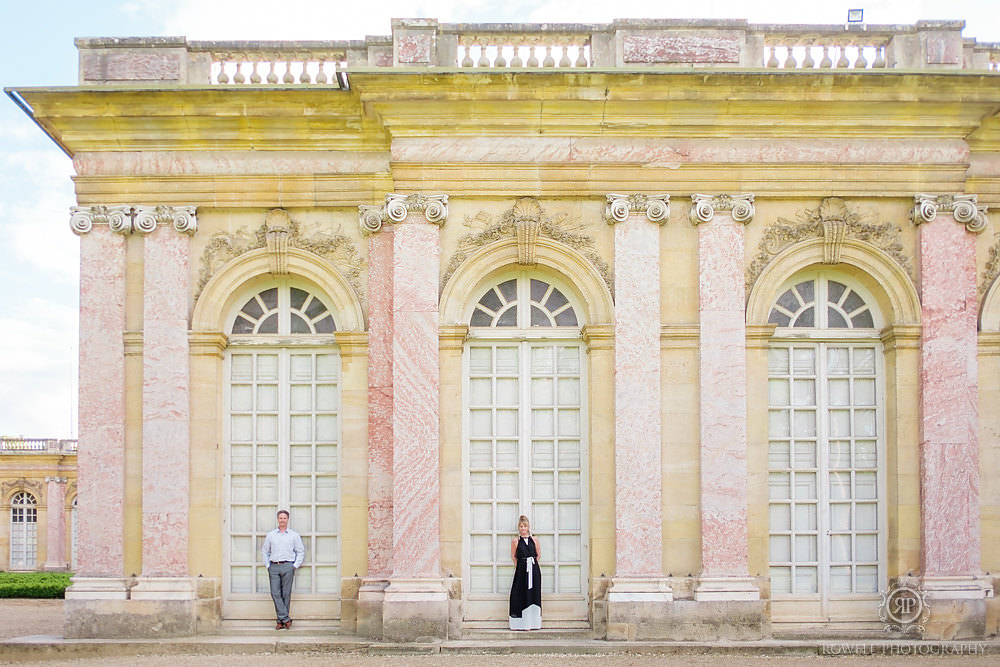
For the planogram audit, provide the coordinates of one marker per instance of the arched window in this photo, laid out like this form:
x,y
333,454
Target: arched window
x,y
284,310
283,443
844,308
23,531
526,447
825,452
528,302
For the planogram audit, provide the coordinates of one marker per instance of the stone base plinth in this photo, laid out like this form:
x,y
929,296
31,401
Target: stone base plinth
x,y
415,609
630,602
722,589
371,595
957,605
145,607
349,588
687,620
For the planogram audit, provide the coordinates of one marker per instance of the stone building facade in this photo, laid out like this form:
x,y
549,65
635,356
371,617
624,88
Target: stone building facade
x,y
37,503
713,303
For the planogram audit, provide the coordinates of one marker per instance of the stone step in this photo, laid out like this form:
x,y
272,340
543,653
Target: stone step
x,y
569,634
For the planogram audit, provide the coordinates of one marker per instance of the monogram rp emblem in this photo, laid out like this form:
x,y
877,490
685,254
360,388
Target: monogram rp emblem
x,y
904,609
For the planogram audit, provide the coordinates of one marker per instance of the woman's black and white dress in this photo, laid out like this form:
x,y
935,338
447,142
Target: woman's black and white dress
x,y
526,589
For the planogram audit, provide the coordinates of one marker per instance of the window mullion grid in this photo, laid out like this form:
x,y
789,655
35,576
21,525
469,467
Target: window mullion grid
x,y
814,470
824,508
495,470
788,533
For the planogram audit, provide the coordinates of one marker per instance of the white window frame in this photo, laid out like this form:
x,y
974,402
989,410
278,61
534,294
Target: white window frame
x,y
819,339
570,605
284,344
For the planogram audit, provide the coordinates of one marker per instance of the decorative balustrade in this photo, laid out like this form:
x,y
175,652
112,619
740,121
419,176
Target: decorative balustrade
x,y
280,63
534,49
825,51
622,44
8,444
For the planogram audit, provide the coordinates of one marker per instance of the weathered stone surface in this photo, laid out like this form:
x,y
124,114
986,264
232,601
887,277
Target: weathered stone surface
x,y
682,46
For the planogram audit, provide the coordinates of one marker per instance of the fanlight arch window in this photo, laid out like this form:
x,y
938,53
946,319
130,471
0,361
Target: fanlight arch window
x,y
284,310
822,303
23,531
523,303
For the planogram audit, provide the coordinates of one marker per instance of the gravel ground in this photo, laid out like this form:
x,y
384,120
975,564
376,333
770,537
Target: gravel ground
x,y
44,617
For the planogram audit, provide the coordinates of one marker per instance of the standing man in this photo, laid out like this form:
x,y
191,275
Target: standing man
x,y
283,554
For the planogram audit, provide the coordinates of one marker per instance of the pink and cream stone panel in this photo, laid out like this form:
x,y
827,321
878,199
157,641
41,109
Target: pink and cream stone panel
x,y
638,430
949,445
724,542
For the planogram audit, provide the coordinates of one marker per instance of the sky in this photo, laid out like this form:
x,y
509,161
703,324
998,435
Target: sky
x,y
39,254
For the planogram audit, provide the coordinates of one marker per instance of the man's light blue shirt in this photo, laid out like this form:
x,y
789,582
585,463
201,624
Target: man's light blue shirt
x,y
279,546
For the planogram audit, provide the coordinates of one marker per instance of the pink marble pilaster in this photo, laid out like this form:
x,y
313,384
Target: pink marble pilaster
x,y
949,451
723,401
166,390
55,531
101,454
416,549
380,402
638,473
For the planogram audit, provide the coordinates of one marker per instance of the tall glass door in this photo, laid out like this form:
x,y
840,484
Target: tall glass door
x,y
525,455
283,452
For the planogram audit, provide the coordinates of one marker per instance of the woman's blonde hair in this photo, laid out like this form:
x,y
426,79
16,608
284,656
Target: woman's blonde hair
x,y
523,519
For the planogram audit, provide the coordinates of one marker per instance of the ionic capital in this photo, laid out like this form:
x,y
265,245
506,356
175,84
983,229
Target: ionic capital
x,y
130,219
964,209
656,207
397,207
434,207
703,207
371,218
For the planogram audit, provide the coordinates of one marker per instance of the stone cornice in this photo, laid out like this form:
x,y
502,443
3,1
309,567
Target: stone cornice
x,y
989,343
207,343
680,336
901,337
963,208
599,336
132,343
133,219
703,207
452,336
352,343
656,207
759,335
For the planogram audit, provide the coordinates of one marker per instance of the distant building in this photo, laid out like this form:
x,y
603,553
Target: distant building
x,y
713,303
38,501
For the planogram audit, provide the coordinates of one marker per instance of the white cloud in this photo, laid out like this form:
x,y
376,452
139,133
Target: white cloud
x,y
38,382
38,208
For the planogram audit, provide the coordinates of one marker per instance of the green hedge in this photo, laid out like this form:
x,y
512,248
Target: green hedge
x,y
33,584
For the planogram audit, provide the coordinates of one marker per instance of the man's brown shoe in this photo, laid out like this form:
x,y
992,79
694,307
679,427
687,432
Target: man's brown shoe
x,y
279,626
288,624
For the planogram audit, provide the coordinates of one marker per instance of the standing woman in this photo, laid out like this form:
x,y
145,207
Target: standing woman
x,y
526,589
